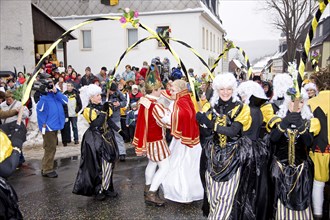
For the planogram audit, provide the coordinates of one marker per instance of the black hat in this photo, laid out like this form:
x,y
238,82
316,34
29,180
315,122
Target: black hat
x,y
104,68
255,78
113,87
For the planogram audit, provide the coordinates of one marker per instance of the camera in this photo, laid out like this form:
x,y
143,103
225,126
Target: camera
x,y
43,85
50,86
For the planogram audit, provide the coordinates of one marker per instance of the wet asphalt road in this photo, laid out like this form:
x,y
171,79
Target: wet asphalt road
x,y
44,198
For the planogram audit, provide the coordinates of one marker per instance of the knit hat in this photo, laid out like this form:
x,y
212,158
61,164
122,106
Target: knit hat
x,y
113,87
9,94
2,95
135,87
153,80
133,104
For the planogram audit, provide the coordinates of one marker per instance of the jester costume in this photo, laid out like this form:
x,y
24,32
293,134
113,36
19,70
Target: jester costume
x,y
12,137
99,152
291,167
149,137
320,151
226,150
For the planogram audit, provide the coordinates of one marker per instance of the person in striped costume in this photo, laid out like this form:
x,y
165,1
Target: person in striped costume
x,y
320,152
99,150
226,120
149,139
291,167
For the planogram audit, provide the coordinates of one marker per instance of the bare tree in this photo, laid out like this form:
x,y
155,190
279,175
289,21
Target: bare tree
x,y
291,17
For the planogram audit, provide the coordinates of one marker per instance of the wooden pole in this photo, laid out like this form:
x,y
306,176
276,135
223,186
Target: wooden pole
x,y
65,57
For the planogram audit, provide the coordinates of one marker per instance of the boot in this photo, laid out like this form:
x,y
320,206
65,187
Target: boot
x,y
146,189
153,199
111,194
317,217
100,196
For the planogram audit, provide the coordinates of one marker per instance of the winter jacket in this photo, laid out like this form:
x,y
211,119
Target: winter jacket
x,y
85,81
74,102
50,111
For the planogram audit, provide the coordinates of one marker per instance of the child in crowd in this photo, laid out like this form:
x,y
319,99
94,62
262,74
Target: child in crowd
x,y
131,119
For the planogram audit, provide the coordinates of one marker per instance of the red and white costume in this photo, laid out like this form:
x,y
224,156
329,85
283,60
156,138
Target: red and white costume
x,y
149,139
182,183
149,132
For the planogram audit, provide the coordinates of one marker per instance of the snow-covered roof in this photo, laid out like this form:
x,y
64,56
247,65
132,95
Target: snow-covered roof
x,y
262,63
213,17
238,63
202,9
278,55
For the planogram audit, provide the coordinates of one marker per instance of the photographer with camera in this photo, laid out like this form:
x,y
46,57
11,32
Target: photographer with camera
x,y
51,118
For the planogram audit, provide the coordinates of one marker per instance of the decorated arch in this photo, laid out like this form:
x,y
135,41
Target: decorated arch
x,y
131,17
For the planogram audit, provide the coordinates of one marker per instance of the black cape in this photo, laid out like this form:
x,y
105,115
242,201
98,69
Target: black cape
x,y
8,202
95,146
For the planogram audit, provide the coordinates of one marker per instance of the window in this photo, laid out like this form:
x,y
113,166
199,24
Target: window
x,y
60,46
211,41
218,45
203,37
163,31
210,61
86,39
132,36
207,39
321,30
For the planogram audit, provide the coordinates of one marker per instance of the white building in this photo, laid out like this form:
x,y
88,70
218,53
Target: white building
x,y
101,43
16,38
25,31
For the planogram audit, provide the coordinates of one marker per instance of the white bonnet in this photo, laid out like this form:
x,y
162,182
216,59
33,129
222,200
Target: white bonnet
x,y
249,88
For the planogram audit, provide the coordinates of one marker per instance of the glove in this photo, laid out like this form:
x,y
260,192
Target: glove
x,y
285,122
295,119
17,142
122,133
18,137
204,121
105,107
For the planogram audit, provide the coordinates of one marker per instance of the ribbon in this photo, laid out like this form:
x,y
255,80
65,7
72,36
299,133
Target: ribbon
x,y
312,29
230,45
36,71
153,37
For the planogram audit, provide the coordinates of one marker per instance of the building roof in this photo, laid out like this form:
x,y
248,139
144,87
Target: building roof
x,y
278,55
238,63
46,29
92,7
6,73
262,63
319,38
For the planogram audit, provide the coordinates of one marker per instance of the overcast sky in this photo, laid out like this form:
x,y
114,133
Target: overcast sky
x,y
244,20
